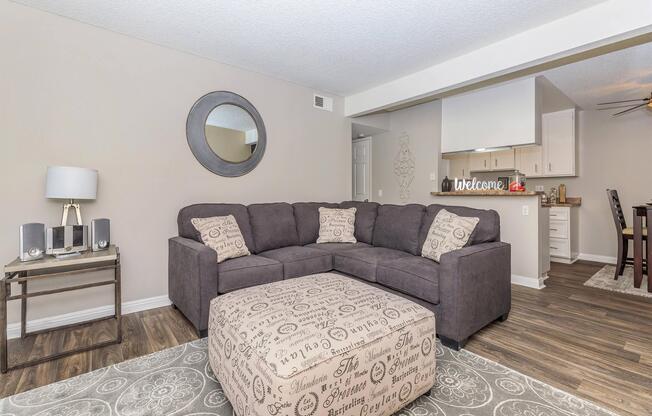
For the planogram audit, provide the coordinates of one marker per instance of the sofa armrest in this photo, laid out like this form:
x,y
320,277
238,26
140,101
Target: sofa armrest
x,y
192,278
475,288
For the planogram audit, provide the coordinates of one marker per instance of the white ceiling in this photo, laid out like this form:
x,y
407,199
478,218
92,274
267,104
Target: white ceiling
x,y
341,46
620,75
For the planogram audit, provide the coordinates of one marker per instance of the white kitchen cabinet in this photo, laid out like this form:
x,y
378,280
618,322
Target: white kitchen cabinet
x,y
558,140
529,161
479,161
458,166
487,161
564,234
502,160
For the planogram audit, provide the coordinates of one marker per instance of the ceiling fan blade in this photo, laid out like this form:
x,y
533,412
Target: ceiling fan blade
x,y
630,109
614,107
625,101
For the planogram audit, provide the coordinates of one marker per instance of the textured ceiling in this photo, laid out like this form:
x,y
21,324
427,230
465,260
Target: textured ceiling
x,y
620,75
342,46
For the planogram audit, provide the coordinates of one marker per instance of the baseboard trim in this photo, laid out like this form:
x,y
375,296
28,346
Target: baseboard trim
x,y
597,258
531,282
13,330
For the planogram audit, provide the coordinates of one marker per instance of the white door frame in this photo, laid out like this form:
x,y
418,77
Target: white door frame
x,y
370,140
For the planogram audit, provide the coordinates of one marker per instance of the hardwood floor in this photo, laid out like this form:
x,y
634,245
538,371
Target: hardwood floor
x,y
590,342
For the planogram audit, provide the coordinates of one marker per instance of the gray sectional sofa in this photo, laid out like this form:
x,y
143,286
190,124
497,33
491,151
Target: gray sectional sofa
x,y
467,290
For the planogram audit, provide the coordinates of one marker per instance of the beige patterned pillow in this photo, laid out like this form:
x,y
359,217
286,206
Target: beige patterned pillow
x,y
223,235
448,232
336,225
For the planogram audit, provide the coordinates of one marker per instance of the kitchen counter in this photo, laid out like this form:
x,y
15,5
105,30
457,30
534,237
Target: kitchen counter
x,y
484,193
571,202
524,224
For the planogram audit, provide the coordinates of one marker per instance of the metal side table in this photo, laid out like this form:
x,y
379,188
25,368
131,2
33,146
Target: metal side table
x,y
22,273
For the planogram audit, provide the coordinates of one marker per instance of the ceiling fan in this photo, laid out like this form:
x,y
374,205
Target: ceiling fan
x,y
631,106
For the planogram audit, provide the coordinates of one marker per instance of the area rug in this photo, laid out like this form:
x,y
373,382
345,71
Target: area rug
x,y
179,381
604,279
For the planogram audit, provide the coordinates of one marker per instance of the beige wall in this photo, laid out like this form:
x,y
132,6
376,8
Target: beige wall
x,y
422,124
613,153
73,94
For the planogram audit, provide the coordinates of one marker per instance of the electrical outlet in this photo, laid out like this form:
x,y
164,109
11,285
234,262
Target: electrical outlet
x,y
526,210
538,188
433,176
380,192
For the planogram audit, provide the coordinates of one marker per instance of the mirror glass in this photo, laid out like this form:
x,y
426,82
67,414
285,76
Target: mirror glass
x,y
231,133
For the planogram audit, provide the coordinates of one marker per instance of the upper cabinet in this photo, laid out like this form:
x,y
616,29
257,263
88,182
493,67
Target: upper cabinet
x,y
502,160
458,165
486,161
556,156
529,160
504,115
559,143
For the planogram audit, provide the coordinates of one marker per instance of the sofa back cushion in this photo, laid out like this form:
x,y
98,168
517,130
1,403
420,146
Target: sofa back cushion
x,y
365,219
487,230
239,211
398,226
273,226
306,215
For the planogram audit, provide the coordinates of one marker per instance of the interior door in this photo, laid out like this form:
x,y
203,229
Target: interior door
x,y
362,169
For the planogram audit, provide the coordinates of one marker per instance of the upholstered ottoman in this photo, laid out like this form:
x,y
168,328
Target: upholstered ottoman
x,y
320,345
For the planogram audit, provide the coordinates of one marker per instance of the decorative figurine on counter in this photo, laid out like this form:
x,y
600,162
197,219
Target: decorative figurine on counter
x,y
562,194
446,185
552,199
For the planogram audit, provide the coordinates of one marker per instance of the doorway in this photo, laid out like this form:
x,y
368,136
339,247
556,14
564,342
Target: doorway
x,y
362,169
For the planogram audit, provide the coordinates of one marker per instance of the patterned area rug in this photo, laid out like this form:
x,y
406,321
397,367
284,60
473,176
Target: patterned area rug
x,y
179,381
604,279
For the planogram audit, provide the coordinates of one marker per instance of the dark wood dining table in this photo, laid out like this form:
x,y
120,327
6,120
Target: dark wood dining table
x,y
643,211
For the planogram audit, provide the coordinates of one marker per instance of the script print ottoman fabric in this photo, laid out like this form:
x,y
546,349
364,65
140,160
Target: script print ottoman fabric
x,y
320,345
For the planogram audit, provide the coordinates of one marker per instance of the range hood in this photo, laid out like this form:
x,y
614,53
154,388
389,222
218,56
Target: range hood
x,y
499,116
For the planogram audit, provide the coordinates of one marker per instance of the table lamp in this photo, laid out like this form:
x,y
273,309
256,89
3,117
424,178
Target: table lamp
x,y
70,183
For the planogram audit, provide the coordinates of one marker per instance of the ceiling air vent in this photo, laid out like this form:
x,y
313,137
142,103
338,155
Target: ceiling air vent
x,y
322,102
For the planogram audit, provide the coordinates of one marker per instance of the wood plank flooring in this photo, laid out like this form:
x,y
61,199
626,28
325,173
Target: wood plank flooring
x,y
589,342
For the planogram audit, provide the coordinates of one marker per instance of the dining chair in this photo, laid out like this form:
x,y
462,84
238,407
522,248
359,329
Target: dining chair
x,y
624,233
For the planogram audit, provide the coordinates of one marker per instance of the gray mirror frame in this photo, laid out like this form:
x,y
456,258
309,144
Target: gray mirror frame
x,y
196,134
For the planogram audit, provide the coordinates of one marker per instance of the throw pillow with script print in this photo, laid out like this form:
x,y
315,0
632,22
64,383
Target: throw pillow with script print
x,y
336,225
448,232
223,235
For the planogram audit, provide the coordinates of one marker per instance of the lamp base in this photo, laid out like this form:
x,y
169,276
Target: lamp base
x,y
66,208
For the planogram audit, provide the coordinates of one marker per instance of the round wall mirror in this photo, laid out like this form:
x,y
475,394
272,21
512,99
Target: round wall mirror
x,y
226,133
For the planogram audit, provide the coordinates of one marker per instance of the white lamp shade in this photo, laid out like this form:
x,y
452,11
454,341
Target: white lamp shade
x,y
65,182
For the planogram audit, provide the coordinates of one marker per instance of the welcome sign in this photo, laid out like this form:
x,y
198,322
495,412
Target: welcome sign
x,y
476,185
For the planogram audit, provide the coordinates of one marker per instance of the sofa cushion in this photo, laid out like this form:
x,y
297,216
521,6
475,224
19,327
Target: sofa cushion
x,y
301,261
333,247
414,276
365,218
306,215
247,271
186,214
397,227
362,262
273,226
486,231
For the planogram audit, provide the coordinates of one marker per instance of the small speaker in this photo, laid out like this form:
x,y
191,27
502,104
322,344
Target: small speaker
x,y
100,234
32,241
